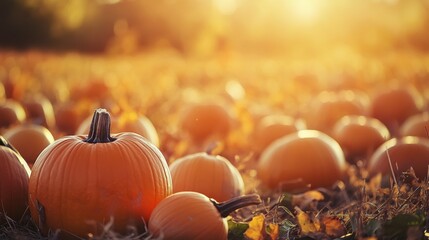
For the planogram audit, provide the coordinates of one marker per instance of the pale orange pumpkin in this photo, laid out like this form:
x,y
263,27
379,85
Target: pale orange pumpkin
x,y
191,215
127,122
359,136
79,183
307,158
404,153
29,140
213,176
14,175
11,113
39,110
416,125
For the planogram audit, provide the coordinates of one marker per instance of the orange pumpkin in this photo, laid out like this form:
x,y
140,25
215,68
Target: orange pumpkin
x,y
359,136
191,215
14,174
213,176
307,157
416,125
329,107
204,122
127,122
393,106
29,140
79,183
273,127
403,153
11,113
69,115
40,111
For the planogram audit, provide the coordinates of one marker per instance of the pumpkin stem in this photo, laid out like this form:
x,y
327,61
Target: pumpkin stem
x,y
5,143
227,207
99,131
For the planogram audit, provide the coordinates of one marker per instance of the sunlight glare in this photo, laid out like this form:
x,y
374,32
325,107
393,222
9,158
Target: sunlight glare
x,y
304,10
226,6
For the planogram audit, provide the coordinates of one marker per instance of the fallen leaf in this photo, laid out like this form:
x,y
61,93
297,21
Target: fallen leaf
x,y
307,200
256,227
333,226
306,224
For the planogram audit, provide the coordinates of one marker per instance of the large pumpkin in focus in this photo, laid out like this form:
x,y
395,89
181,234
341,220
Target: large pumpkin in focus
x,y
307,157
11,113
416,125
206,121
329,107
40,111
213,176
359,136
29,140
14,174
127,122
80,183
273,127
394,106
403,153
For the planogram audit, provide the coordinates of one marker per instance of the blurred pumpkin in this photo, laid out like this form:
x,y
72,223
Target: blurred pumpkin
x,y
416,125
11,113
272,127
79,183
2,92
69,115
213,176
307,157
127,122
359,136
402,154
192,215
39,111
329,107
206,122
393,106
14,175
29,140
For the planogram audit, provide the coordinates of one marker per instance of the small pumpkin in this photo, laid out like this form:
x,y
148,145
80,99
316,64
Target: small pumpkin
x,y
307,157
359,136
39,110
29,140
273,127
393,106
213,176
79,183
69,115
11,113
191,215
206,121
416,125
127,122
402,153
14,175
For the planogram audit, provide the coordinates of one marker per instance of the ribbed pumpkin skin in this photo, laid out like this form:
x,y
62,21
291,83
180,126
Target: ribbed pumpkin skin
x,y
309,155
14,174
29,140
80,183
195,217
213,176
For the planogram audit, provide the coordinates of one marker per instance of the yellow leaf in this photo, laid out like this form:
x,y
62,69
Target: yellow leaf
x,y
306,224
333,227
256,227
307,199
273,231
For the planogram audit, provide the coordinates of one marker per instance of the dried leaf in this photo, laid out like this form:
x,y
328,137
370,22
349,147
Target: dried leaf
x,y
306,223
256,227
333,226
307,200
273,231
236,229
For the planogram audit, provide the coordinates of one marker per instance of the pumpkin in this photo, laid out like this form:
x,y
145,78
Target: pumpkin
x,y
213,176
127,122
39,110
69,115
2,92
359,136
329,107
79,183
191,215
307,157
11,113
393,106
29,140
403,153
14,174
206,121
416,125
272,127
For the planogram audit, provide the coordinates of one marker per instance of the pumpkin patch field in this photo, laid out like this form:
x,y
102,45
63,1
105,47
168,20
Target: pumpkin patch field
x,y
301,120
